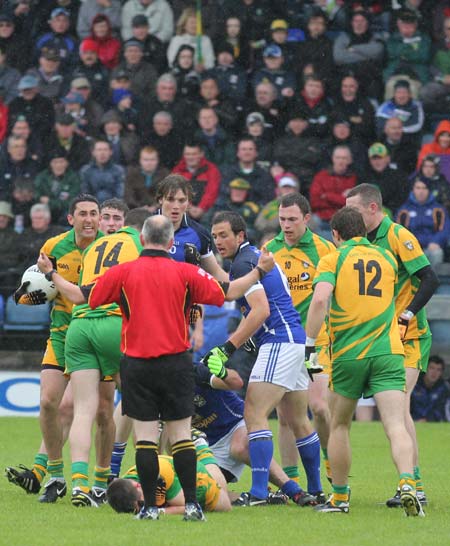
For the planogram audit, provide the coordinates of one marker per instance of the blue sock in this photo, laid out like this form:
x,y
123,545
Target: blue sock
x,y
116,458
309,449
260,447
291,488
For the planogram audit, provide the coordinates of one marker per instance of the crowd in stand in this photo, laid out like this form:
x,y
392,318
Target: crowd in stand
x,y
107,97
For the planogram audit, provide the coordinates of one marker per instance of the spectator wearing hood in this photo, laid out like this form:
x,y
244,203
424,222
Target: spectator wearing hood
x,y
89,10
108,46
440,146
188,79
427,219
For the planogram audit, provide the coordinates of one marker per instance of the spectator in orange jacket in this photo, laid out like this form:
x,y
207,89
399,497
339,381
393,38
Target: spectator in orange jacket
x,y
203,175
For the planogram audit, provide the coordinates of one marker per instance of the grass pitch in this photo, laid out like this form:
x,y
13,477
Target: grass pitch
x,y
25,522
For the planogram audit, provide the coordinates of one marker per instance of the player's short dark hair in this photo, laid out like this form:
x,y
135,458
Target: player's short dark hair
x,y
368,193
122,496
348,222
169,186
115,203
237,223
298,199
81,198
136,217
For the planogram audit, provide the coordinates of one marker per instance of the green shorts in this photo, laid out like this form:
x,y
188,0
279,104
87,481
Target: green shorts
x,y
53,358
417,353
94,344
366,377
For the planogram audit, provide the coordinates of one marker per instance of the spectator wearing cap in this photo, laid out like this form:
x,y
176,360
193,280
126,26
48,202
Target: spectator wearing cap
x,y
265,102
158,13
59,39
224,108
102,177
142,74
216,143
166,139
298,151
267,219
408,52
89,10
316,52
73,104
15,164
9,77
48,74
124,102
357,109
279,36
272,71
391,181
90,68
440,146
361,51
341,135
188,79
401,152
429,171
203,175
57,185
231,78
76,148
427,219
9,258
312,104
404,107
124,144
108,47
46,8
35,107
94,110
246,166
141,183
16,46
263,136
186,35
19,127
154,49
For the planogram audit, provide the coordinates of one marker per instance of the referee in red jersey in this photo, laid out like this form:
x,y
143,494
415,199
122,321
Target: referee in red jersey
x,y
155,295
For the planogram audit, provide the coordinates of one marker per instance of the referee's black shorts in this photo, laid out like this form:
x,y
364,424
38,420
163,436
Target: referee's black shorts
x,y
158,388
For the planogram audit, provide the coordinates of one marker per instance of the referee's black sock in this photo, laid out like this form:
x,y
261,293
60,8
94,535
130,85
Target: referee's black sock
x,y
147,466
185,462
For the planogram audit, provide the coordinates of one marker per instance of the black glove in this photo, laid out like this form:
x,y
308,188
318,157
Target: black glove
x,y
311,363
191,254
250,346
195,313
37,297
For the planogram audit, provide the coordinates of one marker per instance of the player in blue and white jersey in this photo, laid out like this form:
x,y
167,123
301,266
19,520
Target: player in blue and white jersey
x,y
279,376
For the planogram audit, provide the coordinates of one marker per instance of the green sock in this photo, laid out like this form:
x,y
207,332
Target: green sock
x,y
101,476
80,475
292,472
56,468
340,494
418,478
40,466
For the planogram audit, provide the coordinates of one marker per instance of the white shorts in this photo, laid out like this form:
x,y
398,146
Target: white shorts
x,y
221,451
281,364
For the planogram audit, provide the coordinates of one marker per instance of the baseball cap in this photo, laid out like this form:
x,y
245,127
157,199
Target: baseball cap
x,y
120,74
88,44
273,51
378,150
139,21
255,117
6,209
288,181
133,43
239,184
27,82
64,119
50,53
80,83
73,98
402,83
59,11
407,16
279,24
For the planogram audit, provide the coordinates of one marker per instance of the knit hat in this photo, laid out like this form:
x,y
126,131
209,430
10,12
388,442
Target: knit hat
x,y
88,44
119,94
6,209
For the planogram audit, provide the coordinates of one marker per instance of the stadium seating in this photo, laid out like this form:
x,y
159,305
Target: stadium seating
x,y
26,317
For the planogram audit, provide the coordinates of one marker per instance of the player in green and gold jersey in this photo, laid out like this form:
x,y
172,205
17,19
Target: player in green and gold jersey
x,y
297,251
360,279
416,284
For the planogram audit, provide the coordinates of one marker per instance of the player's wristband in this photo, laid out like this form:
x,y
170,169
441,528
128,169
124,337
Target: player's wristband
x,y
408,315
311,341
261,272
49,275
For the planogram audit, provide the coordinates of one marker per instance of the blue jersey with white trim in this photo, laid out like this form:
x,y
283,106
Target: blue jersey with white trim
x,y
191,232
283,324
216,411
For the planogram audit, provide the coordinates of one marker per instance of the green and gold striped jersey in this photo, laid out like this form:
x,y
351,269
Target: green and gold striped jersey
x,y
117,248
299,264
362,320
63,250
410,258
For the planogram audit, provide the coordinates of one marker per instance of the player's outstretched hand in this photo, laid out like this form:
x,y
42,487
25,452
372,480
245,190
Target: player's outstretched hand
x,y
266,261
191,254
311,361
37,297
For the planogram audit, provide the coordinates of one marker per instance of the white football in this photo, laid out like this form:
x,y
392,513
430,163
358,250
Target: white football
x,y
38,281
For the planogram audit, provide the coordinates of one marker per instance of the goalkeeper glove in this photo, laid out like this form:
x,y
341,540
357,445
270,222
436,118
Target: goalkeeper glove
x,y
403,322
250,346
195,313
216,358
311,362
37,297
191,254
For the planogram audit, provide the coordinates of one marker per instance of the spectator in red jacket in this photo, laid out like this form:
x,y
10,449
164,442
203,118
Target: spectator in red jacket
x,y
108,46
203,175
329,189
